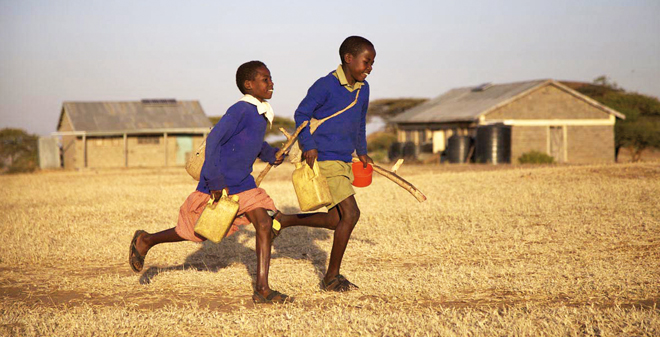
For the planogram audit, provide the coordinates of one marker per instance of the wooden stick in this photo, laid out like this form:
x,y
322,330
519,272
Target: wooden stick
x,y
314,124
285,148
399,181
396,166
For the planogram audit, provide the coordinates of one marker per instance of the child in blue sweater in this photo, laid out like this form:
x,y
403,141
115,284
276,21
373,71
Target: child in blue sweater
x,y
232,146
333,144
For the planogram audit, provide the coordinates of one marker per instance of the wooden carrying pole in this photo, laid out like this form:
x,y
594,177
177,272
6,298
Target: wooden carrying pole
x,y
314,124
398,180
391,175
285,148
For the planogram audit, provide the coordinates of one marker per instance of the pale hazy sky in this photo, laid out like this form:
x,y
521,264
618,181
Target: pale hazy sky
x,y
88,50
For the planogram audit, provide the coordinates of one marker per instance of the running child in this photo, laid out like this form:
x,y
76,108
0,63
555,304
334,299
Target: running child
x,y
333,144
232,146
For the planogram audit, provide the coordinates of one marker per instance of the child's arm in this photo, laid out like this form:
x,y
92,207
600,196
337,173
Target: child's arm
x,y
219,135
267,154
361,149
316,97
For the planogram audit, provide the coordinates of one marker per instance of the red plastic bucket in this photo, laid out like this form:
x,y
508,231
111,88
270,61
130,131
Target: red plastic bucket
x,y
362,175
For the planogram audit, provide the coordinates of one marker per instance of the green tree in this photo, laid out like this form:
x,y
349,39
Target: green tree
x,y
18,151
387,108
641,128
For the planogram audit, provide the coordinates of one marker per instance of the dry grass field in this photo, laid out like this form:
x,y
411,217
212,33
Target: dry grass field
x,y
512,251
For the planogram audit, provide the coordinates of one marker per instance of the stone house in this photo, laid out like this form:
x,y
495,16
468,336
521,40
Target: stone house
x,y
544,115
147,133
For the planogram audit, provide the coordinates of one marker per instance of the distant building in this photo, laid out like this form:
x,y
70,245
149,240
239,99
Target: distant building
x,y
543,115
149,133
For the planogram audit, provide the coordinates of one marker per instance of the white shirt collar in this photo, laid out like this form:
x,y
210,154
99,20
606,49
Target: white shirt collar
x,y
263,108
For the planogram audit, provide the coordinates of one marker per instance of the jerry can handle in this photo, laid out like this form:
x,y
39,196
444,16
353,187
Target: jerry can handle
x,y
316,169
224,196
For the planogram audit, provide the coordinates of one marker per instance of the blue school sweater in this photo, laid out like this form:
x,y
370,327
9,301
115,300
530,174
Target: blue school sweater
x,y
339,136
232,146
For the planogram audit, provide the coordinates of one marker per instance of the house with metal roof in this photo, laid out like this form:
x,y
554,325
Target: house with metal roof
x,y
147,133
541,115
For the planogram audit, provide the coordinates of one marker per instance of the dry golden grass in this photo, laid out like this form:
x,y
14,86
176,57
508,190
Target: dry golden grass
x,y
569,250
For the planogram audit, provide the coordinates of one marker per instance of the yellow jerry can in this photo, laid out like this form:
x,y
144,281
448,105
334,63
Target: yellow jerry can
x,y
311,187
216,219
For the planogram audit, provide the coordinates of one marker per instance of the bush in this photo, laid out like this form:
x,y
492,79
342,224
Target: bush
x,y
641,127
536,157
380,141
379,156
18,151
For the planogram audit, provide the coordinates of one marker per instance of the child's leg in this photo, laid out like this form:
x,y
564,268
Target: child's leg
x,y
262,224
145,241
349,216
327,220
189,212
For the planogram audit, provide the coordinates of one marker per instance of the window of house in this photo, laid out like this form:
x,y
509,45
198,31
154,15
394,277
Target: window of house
x,y
106,141
148,140
410,135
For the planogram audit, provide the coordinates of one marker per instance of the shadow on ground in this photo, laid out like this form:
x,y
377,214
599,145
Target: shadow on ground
x,y
299,243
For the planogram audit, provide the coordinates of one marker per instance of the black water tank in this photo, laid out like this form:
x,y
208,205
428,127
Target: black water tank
x,y
493,144
410,151
395,151
458,148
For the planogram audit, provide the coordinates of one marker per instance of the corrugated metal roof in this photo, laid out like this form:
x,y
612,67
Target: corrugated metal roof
x,y
127,116
464,104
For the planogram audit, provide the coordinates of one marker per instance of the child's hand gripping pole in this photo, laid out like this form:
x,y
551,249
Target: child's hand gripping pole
x,y
284,150
391,175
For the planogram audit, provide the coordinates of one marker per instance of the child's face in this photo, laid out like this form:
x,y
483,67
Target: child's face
x,y
360,65
262,85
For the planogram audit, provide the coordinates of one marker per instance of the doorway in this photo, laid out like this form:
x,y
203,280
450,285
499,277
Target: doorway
x,y
184,147
557,146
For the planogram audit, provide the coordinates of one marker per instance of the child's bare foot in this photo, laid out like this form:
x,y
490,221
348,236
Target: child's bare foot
x,y
137,251
273,296
338,283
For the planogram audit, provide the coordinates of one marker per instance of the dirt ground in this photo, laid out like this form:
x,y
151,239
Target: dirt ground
x,y
495,250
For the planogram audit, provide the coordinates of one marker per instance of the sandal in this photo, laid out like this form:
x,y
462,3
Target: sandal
x,y
135,260
339,284
274,297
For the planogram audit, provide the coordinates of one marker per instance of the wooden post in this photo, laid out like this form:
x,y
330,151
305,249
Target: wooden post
x,y
565,127
125,150
165,139
84,139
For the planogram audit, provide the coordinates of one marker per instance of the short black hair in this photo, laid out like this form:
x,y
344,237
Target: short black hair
x,y
247,72
353,45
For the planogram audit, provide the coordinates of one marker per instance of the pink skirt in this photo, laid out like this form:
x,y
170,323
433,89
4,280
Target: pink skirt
x,y
192,209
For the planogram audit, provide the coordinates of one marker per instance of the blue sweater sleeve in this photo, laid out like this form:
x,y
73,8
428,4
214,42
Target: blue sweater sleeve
x,y
361,148
316,96
225,129
267,153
